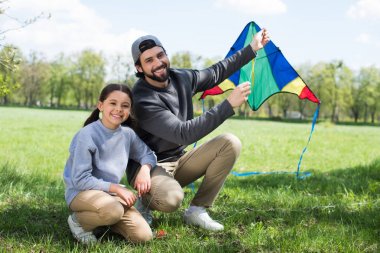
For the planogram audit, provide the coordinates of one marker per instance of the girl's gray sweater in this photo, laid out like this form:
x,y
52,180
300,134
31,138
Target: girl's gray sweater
x,y
99,157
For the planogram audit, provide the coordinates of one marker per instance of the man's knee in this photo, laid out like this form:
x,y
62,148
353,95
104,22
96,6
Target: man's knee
x,y
232,141
173,200
168,200
166,193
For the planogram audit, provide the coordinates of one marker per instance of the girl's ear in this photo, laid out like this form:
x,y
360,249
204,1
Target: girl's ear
x,y
100,106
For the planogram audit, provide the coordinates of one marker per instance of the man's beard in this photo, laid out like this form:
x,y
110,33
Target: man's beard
x,y
154,77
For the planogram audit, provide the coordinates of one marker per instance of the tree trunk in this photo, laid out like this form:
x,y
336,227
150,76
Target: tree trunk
x,y
301,110
336,115
5,100
284,113
51,99
270,112
356,117
355,114
333,113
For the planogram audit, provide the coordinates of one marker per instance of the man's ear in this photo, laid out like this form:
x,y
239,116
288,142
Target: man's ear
x,y
139,68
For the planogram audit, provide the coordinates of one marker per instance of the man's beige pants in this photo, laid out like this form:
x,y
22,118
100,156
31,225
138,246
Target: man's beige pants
x,y
213,160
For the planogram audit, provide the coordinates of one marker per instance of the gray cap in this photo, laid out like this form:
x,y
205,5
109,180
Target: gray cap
x,y
138,47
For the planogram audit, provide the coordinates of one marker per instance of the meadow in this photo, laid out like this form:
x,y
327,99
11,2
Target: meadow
x,y
336,209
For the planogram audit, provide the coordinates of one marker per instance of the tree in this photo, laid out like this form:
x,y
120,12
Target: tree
x,y
270,104
333,81
122,70
35,73
90,72
317,79
354,101
284,102
331,78
369,78
181,60
9,57
59,80
305,72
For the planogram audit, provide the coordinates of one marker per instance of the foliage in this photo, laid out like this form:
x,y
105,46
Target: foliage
x,y
58,84
9,55
183,60
369,79
9,60
34,79
74,81
122,70
90,74
332,82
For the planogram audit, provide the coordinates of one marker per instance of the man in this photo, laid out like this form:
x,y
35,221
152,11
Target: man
x,y
164,110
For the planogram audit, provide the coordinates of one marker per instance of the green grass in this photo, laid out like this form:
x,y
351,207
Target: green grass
x,y
336,209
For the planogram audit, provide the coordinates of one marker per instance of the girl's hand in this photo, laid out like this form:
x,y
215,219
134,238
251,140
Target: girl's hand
x,y
125,194
142,181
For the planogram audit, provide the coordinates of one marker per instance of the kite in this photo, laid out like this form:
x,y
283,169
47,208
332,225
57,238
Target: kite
x,y
274,74
269,73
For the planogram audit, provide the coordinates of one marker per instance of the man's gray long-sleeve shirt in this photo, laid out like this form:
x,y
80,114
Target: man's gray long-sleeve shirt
x,y
165,115
99,156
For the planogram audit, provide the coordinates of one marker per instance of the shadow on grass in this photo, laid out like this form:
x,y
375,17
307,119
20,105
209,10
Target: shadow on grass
x,y
347,197
359,180
32,207
33,210
306,120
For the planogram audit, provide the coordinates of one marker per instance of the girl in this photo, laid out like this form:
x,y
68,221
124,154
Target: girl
x,y
99,154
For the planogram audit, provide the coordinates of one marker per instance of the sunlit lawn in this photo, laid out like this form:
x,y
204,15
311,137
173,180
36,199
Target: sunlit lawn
x,y
336,209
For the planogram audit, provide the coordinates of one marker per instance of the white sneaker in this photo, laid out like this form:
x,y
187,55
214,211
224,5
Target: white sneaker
x,y
79,233
200,217
145,211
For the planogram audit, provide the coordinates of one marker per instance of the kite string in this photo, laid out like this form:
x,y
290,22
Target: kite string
x,y
308,141
299,174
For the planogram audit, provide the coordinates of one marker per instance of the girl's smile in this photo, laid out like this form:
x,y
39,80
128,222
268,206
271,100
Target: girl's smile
x,y
115,109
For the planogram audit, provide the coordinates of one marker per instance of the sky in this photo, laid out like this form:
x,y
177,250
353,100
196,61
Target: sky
x,y
305,31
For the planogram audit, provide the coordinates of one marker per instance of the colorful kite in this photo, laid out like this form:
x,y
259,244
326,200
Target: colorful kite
x,y
269,73
274,74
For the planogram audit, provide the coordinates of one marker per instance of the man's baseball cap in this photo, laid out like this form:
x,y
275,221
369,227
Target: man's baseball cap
x,y
144,43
